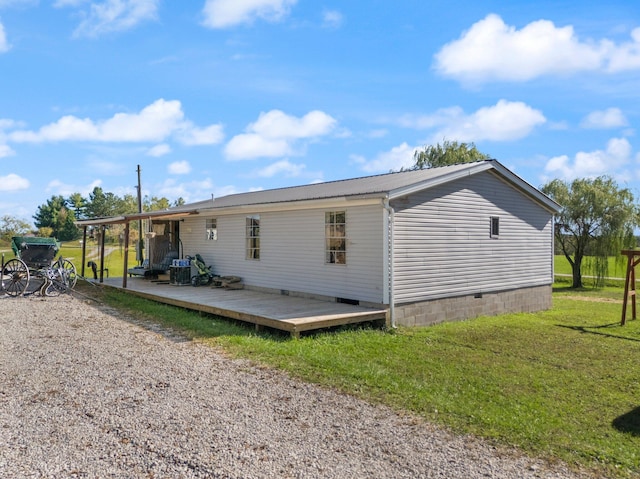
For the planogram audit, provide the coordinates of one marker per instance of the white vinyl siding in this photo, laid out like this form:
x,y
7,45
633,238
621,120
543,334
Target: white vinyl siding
x,y
443,245
292,252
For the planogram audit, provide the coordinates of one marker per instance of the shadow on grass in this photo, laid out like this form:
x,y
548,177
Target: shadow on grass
x,y
628,422
593,330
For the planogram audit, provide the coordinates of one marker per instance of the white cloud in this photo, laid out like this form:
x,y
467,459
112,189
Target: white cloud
x,y
65,189
228,13
398,157
492,50
604,119
179,168
111,15
13,182
4,43
189,191
283,167
154,123
209,135
159,150
626,56
594,163
332,19
276,134
504,121
5,150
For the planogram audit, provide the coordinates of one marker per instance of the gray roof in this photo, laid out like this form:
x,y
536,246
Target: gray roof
x,y
390,185
387,186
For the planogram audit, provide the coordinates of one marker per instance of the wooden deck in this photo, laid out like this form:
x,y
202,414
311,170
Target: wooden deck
x,y
287,313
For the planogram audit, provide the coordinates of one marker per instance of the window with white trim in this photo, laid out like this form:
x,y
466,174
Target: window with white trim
x,y
253,237
212,229
335,236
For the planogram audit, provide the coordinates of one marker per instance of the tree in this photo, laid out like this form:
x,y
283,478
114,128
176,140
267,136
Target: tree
x,y
155,204
449,153
11,226
597,219
47,214
54,218
79,204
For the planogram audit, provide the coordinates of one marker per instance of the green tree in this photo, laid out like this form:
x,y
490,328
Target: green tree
x,y
597,218
47,214
79,204
155,204
55,218
102,205
447,153
66,229
11,226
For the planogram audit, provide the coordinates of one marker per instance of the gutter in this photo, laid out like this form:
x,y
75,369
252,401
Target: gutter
x,y
390,237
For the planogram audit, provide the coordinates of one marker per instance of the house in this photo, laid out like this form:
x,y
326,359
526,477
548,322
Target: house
x,y
430,245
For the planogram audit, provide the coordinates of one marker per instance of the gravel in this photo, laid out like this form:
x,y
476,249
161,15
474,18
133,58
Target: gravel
x,y
86,392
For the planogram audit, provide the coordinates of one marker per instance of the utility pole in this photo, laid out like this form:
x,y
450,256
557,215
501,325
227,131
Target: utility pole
x,y
140,256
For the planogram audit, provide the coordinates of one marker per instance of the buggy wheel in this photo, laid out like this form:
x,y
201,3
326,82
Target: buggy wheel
x,y
69,274
195,281
15,277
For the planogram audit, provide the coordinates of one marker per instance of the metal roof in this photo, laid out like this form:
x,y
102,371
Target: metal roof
x,y
390,185
386,186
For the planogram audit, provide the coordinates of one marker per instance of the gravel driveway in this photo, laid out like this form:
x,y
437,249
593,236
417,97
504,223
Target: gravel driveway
x,y
85,392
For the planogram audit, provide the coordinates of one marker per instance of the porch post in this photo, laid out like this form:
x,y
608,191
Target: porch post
x,y
103,230
126,255
84,249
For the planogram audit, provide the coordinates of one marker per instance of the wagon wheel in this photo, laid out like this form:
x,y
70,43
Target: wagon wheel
x,y
69,273
15,277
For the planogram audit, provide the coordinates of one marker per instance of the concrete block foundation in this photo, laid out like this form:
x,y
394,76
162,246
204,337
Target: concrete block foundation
x,y
524,300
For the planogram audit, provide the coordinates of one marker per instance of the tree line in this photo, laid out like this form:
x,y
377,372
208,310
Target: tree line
x,y
597,217
57,216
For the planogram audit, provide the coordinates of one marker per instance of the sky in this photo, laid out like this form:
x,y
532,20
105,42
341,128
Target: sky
x,y
213,97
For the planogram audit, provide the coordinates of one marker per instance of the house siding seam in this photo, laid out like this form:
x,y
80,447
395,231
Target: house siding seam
x,y
292,252
443,248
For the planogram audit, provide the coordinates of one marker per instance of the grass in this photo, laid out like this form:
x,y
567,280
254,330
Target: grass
x,y
557,384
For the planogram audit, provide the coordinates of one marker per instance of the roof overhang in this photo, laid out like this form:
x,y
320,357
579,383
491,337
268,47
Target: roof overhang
x,y
492,166
148,215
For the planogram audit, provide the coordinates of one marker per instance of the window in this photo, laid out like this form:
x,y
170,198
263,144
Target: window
x,y
212,229
495,227
253,237
335,237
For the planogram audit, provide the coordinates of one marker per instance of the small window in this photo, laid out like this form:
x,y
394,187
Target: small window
x,y
335,224
212,229
253,237
495,226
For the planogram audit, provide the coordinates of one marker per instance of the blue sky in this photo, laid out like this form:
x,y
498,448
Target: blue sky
x,y
226,96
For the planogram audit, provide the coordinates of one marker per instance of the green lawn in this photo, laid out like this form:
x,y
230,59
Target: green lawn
x,y
558,384
617,266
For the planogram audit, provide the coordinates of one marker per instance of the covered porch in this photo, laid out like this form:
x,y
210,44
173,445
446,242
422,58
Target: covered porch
x,y
292,314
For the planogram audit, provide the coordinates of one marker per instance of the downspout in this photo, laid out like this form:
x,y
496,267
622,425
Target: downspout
x,y
390,243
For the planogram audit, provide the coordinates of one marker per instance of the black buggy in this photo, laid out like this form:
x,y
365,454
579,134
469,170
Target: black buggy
x,y
34,269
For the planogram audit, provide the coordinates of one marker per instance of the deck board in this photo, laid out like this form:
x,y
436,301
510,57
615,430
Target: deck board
x,y
287,313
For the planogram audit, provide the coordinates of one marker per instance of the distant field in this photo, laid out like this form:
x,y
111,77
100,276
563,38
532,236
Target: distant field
x,y
617,266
